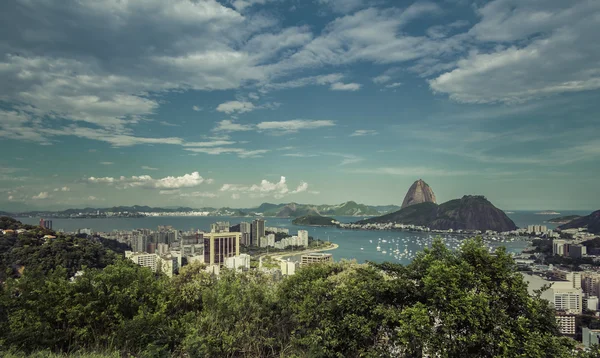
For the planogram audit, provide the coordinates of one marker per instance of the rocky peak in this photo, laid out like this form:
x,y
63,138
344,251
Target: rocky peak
x,y
418,193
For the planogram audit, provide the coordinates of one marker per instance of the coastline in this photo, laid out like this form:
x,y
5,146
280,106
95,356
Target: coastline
x,y
280,256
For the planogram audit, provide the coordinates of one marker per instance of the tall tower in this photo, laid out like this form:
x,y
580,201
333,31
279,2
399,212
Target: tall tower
x,y
257,231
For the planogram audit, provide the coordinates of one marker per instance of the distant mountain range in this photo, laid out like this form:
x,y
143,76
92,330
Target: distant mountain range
x,y
471,212
349,208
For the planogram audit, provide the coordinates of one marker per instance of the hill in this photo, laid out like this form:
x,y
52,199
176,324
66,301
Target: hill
x,y
349,208
419,192
314,220
591,222
468,213
563,219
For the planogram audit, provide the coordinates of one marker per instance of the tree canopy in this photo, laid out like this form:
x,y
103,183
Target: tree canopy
x,y
467,303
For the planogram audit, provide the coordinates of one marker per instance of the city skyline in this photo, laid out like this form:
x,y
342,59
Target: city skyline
x,y
236,103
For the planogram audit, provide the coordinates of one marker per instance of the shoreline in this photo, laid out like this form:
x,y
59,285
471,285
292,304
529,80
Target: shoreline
x,y
280,256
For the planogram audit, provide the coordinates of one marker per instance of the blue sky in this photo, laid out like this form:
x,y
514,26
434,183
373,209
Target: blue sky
x,y
234,103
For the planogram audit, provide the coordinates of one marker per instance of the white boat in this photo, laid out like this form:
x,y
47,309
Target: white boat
x,y
362,248
384,252
378,248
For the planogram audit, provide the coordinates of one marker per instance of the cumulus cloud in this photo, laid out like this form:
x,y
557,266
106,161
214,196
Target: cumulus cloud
x,y
41,195
363,132
559,34
235,107
63,189
145,181
343,6
266,188
197,109
339,86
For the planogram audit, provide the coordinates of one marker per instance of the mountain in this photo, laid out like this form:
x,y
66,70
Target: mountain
x,y
385,209
349,208
564,219
471,212
591,222
314,220
295,210
419,192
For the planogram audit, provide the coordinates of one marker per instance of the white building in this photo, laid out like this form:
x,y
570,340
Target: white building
x,y
303,237
590,337
166,264
558,247
566,323
561,294
239,263
289,267
162,249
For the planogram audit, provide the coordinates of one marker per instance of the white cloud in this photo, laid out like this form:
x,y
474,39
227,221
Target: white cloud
x,y
93,198
382,79
235,107
198,194
212,143
235,196
266,188
394,85
292,126
321,80
145,167
363,132
346,158
107,163
41,195
339,86
197,109
300,155
145,181
63,189
229,126
561,35
242,153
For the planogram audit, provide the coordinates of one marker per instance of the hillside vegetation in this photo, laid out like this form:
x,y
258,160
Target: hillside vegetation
x,y
467,303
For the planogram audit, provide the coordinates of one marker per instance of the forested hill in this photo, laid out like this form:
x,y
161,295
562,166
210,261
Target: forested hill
x,y
444,303
33,248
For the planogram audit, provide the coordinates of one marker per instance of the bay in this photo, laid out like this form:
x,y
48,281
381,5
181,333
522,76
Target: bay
x,y
359,245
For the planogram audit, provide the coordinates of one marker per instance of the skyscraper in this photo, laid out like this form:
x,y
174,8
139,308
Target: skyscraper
x,y
219,246
257,231
220,226
245,231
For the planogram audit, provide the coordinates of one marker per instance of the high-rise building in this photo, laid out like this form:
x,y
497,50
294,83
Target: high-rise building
x,y
303,238
558,247
245,231
220,226
590,337
239,263
257,231
219,246
566,323
289,267
46,224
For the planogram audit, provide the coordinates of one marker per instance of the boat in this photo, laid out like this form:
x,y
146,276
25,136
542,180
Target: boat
x,y
378,248
362,248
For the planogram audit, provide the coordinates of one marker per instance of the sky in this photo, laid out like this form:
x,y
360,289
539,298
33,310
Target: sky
x,y
238,102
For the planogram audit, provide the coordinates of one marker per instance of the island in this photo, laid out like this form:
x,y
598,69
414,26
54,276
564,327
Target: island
x,y
315,220
563,219
548,213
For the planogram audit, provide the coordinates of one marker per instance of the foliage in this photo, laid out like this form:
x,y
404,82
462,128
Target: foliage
x,y
444,304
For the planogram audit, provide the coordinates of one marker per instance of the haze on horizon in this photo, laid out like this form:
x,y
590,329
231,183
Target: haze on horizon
x,y
238,102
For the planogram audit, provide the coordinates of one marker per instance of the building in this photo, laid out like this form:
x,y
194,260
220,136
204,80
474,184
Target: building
x,y
566,323
143,259
139,243
315,257
166,264
257,231
278,230
590,337
220,226
162,249
590,303
197,238
46,224
289,267
188,250
590,283
85,231
219,246
303,238
239,263
245,231
561,294
576,250
537,229
558,247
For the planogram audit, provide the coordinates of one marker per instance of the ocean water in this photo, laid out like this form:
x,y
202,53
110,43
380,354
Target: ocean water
x,y
359,245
